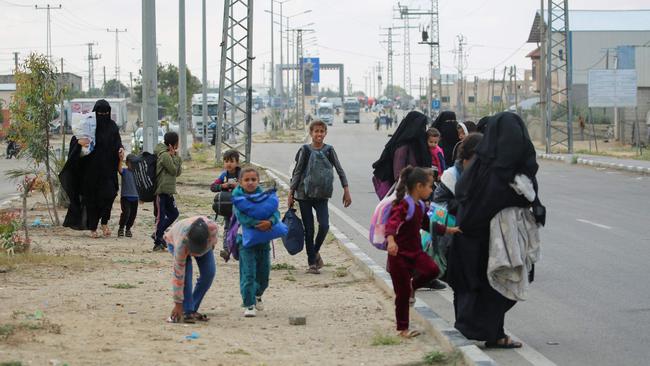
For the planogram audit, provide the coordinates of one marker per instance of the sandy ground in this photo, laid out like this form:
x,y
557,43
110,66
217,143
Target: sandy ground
x,y
105,301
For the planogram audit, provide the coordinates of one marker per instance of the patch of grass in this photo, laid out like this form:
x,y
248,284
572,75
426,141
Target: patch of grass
x,y
135,261
341,271
289,278
43,260
6,330
122,286
385,340
574,159
283,267
441,358
238,351
17,313
11,363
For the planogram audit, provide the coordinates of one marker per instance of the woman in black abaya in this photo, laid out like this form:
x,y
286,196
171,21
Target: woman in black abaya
x,y
482,191
447,125
91,181
407,146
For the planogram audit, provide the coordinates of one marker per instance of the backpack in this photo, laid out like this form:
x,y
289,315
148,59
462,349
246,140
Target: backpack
x,y
438,245
294,241
317,177
232,237
222,204
379,219
144,175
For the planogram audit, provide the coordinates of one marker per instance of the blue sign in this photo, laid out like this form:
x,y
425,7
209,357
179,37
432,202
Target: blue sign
x,y
314,64
435,104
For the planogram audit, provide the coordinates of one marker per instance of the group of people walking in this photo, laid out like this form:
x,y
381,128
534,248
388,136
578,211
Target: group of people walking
x,y
480,173
477,172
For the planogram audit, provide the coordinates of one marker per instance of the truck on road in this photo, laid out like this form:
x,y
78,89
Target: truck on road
x,y
325,112
351,109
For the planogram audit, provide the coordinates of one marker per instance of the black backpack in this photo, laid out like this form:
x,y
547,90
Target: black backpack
x,y
144,174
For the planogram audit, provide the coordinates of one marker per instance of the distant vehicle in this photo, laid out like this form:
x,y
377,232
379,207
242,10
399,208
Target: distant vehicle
x,y
138,138
337,102
325,113
197,111
351,109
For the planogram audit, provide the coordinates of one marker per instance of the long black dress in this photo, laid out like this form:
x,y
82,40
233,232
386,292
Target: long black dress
x,y
91,181
482,191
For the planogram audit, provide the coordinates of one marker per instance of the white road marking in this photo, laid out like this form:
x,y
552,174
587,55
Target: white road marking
x,y
527,352
594,224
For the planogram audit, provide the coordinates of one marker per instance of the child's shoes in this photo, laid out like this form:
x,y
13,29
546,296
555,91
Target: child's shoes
x,y
250,312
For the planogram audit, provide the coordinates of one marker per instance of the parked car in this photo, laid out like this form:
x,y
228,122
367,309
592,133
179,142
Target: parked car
x,y
138,138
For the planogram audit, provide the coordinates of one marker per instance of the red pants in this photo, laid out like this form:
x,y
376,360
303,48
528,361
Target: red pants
x,y
406,272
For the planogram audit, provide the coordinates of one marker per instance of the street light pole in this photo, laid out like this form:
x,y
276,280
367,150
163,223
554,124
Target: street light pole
x,y
149,75
182,80
204,80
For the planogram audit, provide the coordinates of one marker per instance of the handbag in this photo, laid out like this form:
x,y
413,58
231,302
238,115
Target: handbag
x,y
294,241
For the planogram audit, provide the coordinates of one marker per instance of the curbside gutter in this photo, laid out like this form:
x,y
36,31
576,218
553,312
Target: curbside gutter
x,y
448,336
595,163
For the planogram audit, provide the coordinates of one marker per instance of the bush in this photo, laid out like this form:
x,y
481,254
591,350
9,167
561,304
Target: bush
x,y
10,238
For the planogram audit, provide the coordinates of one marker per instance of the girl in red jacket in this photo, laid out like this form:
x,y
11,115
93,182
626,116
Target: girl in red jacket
x,y
405,254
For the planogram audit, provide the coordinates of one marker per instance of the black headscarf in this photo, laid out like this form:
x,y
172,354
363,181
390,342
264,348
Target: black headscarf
x,y
505,151
446,124
481,126
411,131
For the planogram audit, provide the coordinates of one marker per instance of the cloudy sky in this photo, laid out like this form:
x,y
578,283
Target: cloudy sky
x,y
346,31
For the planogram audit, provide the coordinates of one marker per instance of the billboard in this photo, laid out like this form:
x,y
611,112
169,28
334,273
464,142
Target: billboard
x,y
612,88
312,63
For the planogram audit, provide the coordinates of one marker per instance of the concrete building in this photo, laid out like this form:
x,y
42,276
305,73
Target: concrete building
x,y
72,81
603,39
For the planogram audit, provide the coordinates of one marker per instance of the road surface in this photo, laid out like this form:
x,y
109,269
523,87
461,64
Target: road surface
x,y
590,303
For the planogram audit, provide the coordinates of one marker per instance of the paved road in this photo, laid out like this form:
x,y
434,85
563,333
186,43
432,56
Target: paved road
x,y
8,186
591,298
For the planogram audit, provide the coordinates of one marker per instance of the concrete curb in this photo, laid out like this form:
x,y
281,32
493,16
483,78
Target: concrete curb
x,y
448,336
595,163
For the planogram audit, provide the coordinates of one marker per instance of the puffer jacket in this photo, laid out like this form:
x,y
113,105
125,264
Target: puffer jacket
x,y
167,169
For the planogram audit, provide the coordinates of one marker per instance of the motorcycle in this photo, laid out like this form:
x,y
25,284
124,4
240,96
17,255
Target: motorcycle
x,y
12,149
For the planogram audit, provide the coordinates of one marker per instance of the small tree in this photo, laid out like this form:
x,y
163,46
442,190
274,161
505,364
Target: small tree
x,y
32,109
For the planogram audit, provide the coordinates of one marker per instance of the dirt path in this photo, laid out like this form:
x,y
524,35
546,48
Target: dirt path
x,y
83,301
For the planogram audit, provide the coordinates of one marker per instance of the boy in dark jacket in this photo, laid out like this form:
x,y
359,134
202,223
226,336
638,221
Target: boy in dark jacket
x,y
168,167
227,182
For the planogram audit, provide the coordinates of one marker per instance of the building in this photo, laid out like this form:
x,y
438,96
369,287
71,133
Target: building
x,y
602,39
72,81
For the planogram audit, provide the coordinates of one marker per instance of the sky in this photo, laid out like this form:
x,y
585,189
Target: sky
x,y
346,32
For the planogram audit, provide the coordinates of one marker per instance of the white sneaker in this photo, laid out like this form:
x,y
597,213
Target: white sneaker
x,y
259,305
250,312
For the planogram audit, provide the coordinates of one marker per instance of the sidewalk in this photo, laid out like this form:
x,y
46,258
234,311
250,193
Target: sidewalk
x,y
629,165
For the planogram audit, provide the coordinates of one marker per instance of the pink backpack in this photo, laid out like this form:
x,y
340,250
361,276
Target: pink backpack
x,y
379,219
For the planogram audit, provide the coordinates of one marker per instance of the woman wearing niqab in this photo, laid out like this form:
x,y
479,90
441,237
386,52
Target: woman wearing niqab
x,y
407,146
482,191
446,124
91,181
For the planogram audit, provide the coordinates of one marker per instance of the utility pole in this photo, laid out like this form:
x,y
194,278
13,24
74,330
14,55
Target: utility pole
x,y
182,81
91,66
476,114
389,65
503,87
272,88
299,82
380,70
149,76
117,58
236,55
15,61
104,85
460,92
406,15
204,79
62,111
431,37
494,74
49,27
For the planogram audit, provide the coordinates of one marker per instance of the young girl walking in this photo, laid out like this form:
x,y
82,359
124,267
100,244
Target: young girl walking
x,y
259,219
405,254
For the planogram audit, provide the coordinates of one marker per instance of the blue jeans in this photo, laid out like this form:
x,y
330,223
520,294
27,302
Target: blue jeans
x,y
167,213
207,271
254,271
323,217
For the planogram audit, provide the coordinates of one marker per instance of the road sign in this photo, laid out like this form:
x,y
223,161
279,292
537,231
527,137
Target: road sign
x,y
315,65
435,104
612,88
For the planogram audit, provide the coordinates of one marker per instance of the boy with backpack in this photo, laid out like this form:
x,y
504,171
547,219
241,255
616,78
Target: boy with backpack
x,y
128,198
312,183
227,181
168,167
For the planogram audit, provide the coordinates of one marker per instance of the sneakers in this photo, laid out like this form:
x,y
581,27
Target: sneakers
x,y
128,233
250,312
120,232
159,246
313,269
259,305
